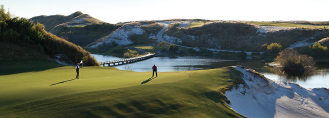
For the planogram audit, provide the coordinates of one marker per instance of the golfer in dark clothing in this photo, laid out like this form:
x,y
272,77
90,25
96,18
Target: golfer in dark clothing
x,y
155,69
77,70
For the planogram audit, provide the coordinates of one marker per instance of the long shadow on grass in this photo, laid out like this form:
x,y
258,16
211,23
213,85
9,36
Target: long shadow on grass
x,y
14,67
148,80
62,82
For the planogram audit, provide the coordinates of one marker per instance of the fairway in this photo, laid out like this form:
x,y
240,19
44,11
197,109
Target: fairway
x,y
108,92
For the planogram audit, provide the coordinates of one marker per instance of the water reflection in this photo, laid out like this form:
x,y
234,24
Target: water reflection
x,y
292,78
103,58
323,72
166,64
187,63
319,79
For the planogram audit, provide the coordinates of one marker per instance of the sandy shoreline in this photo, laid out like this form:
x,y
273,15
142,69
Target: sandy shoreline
x,y
260,97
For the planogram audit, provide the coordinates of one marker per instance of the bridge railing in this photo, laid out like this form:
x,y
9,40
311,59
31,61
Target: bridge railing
x,y
129,60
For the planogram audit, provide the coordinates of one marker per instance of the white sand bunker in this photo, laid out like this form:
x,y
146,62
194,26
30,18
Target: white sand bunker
x,y
260,97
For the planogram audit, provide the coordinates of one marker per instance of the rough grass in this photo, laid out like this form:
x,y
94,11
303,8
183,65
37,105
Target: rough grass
x,y
16,58
84,35
197,24
236,77
145,47
18,66
289,24
108,92
78,26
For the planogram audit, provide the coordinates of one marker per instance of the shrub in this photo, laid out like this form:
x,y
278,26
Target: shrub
x,y
130,53
139,39
274,48
316,50
324,41
3,15
293,68
294,63
318,46
264,46
162,46
173,48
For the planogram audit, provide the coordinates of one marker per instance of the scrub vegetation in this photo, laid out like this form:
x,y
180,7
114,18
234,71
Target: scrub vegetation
x,y
29,41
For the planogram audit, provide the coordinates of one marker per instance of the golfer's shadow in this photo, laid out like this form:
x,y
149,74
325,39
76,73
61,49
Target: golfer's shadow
x,y
148,80
63,82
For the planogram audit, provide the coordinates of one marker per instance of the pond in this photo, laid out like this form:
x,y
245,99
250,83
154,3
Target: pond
x,y
166,64
320,79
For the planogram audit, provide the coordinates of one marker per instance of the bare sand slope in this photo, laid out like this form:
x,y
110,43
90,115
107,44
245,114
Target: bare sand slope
x,y
260,97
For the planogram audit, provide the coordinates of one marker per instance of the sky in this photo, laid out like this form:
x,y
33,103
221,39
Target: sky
x,y
114,11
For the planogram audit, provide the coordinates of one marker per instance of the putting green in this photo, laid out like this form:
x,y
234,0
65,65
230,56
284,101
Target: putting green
x,y
108,92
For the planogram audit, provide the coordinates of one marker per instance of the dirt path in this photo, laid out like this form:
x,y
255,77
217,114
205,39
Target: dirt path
x,y
164,28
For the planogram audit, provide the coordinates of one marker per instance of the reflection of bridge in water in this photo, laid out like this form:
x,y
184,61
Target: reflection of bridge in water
x,y
127,61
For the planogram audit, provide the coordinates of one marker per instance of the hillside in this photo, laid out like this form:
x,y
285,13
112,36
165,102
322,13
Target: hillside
x,y
108,92
75,19
206,36
78,28
324,41
184,37
23,42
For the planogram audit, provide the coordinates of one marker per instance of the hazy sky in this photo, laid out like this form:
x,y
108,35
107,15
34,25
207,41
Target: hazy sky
x,y
114,11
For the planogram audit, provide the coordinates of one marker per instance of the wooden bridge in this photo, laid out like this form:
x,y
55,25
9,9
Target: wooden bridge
x,y
129,60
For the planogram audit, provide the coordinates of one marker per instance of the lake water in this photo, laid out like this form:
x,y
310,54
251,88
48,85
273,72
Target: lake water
x,y
319,80
165,64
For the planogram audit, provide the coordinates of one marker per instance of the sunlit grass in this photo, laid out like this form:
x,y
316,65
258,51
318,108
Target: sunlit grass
x,y
197,24
78,26
145,47
289,24
108,92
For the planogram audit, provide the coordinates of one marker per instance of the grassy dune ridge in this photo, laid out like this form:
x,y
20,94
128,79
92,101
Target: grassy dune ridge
x,y
104,92
244,36
78,28
22,32
311,25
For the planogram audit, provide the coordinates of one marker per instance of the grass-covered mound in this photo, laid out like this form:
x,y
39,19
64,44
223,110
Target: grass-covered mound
x,y
299,24
85,35
23,41
78,28
76,18
214,35
108,92
16,58
241,35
